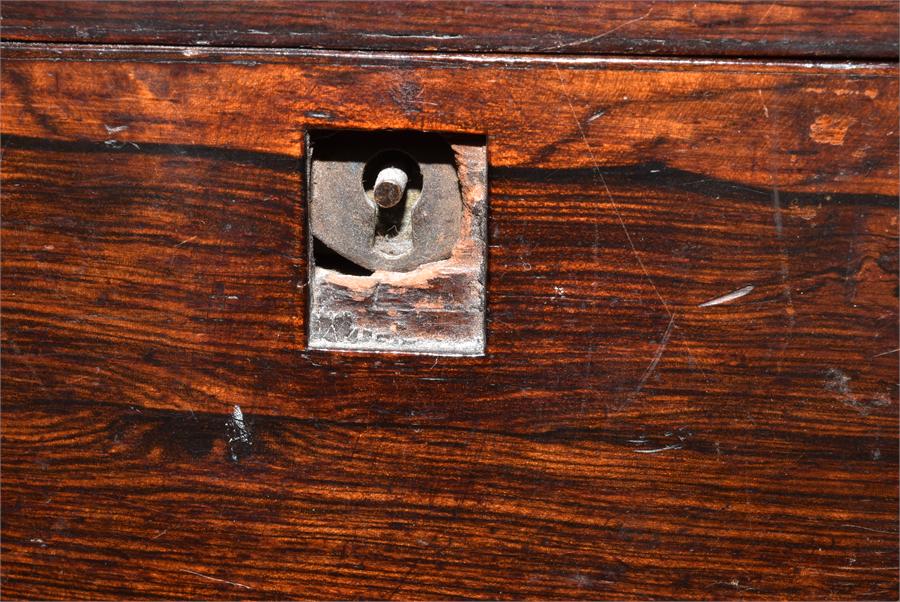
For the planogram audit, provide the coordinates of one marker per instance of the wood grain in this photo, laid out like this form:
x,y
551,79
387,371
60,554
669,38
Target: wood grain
x,y
627,434
837,28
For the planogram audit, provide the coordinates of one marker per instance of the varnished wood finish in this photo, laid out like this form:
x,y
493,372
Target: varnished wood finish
x,y
801,28
629,434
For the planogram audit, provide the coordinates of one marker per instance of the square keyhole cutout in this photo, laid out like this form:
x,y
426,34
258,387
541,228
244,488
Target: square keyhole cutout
x,y
397,224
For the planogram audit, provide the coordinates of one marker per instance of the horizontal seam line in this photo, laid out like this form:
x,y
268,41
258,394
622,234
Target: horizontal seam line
x,y
824,60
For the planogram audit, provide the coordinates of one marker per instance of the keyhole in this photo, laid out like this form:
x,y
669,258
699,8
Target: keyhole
x,y
393,182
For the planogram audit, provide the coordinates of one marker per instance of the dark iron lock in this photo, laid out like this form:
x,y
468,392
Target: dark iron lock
x,y
385,201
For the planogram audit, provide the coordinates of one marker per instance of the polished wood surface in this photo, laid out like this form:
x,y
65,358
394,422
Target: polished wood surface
x,y
801,28
690,387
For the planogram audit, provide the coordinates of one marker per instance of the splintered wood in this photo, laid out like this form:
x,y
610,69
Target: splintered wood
x,y
438,308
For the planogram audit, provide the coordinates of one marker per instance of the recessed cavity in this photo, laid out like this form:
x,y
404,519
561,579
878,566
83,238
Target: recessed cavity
x,y
393,182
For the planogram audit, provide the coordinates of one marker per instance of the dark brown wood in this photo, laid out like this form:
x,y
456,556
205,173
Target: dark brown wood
x,y
690,387
836,28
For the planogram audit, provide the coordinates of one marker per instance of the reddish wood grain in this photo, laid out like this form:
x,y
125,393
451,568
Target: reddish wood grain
x,y
837,28
622,437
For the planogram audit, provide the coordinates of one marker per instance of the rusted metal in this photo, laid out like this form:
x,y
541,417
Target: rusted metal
x,y
345,212
437,307
390,186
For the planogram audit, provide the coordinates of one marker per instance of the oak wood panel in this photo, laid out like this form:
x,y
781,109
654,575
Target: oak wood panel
x,y
619,439
837,28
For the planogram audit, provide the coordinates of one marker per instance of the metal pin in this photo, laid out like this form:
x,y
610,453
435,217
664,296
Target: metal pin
x,y
390,186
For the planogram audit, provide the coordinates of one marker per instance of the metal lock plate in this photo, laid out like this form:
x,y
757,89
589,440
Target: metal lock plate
x,y
348,169
397,252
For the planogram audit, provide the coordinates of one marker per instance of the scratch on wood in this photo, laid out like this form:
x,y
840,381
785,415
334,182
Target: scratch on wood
x,y
184,242
737,585
784,271
596,170
886,352
659,449
405,579
728,297
234,583
602,35
656,357
848,525
599,174
763,18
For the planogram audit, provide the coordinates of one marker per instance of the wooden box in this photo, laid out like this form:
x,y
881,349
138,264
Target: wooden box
x,y
689,381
